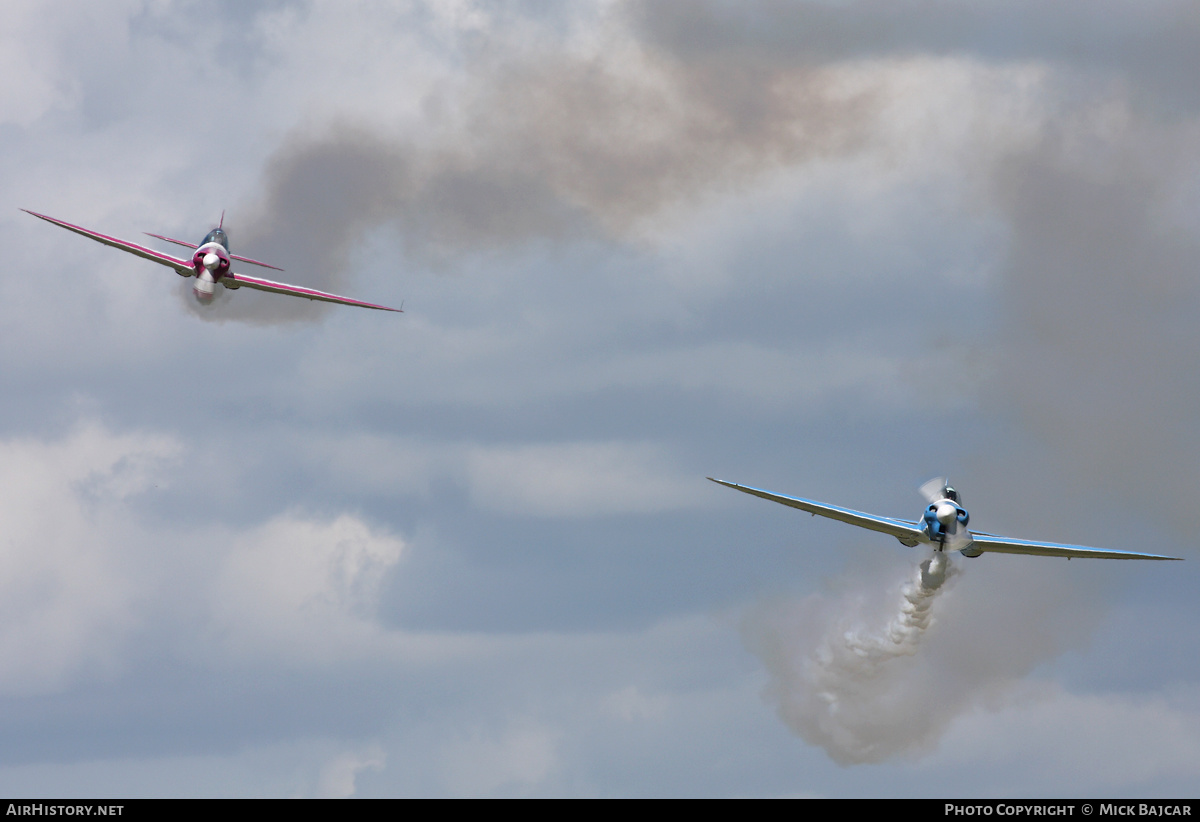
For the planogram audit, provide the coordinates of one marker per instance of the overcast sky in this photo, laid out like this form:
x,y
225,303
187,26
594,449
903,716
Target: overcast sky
x,y
279,548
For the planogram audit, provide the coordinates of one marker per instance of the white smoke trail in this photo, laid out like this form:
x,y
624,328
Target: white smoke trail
x,y
902,635
849,688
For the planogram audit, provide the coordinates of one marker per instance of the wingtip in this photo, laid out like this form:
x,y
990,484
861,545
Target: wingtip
x,y
45,217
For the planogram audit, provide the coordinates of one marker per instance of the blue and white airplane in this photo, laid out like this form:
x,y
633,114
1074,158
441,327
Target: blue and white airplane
x,y
943,525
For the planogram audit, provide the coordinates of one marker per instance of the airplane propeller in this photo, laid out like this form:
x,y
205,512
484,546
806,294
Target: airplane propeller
x,y
205,287
932,490
958,537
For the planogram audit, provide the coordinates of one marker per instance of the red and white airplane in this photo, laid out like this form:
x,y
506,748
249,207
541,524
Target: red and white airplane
x,y
210,264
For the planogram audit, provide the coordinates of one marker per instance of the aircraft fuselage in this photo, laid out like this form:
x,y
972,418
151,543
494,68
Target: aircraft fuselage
x,y
211,263
944,519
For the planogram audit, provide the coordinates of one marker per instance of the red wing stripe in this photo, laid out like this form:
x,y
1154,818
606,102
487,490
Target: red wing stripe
x,y
124,245
301,291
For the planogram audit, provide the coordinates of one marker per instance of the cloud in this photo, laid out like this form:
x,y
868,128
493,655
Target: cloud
x,y
545,480
71,581
87,570
576,479
302,590
36,85
338,776
1153,45
1099,289
1068,742
821,238
514,762
1089,170
297,768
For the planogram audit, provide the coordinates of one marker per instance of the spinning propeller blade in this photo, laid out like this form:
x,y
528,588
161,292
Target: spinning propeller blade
x,y
932,490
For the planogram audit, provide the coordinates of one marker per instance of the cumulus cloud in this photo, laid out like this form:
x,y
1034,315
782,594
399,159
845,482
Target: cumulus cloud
x,y
302,589
85,569
338,776
70,578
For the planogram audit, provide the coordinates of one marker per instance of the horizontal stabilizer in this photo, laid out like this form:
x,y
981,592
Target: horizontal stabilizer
x,y
256,262
186,244
183,243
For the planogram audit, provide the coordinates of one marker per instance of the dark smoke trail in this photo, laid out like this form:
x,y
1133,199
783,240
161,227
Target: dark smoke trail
x,y
546,147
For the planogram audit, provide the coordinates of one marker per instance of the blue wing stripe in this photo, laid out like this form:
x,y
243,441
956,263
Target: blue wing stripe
x,y
886,525
1006,545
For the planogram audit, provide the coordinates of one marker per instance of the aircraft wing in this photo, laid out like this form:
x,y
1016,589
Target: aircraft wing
x,y
183,267
296,291
1007,545
906,532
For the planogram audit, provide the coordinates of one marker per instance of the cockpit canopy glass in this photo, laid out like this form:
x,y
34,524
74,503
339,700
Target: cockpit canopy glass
x,y
950,493
217,235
